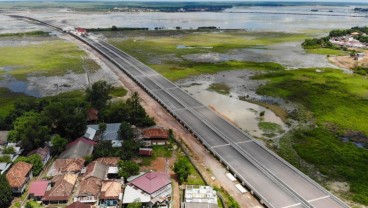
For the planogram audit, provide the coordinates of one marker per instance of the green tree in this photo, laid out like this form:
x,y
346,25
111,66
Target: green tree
x,y
114,28
30,130
125,130
127,169
9,150
182,169
129,149
58,144
102,127
136,113
35,160
6,195
136,204
98,95
105,149
67,117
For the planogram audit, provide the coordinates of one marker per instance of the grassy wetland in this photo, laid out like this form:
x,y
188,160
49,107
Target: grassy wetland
x,y
330,142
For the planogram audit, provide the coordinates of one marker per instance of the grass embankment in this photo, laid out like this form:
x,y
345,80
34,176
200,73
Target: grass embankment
x,y
49,58
337,103
165,51
327,51
33,33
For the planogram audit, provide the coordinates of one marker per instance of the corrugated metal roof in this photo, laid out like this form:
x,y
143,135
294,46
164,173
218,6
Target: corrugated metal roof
x,y
111,132
151,181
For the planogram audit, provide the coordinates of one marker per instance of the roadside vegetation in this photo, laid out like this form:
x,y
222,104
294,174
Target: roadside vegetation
x,y
333,107
166,51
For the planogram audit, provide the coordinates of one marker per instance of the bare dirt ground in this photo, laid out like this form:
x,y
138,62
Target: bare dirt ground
x,y
348,62
207,164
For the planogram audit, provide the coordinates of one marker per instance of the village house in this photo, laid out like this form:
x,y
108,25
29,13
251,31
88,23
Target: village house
x,y
37,189
152,189
18,176
199,196
111,194
62,166
89,188
78,204
110,134
61,189
44,153
79,148
112,164
80,31
155,136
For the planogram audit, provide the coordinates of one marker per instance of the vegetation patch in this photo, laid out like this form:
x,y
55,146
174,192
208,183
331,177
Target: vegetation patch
x,y
7,99
159,49
327,51
49,58
335,102
221,88
33,33
270,128
118,92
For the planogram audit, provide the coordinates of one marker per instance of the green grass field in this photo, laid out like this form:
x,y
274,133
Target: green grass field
x,y
337,103
48,58
327,51
150,46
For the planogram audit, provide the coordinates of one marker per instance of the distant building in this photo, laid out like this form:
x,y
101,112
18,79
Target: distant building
x,y
152,189
79,148
44,153
18,176
155,136
63,166
80,31
110,134
199,197
145,152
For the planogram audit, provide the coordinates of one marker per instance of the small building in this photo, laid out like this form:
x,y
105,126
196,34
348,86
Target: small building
x,y
89,190
61,189
80,31
44,153
18,176
199,196
112,164
110,134
92,115
111,194
37,189
152,189
145,152
155,136
78,204
79,148
355,34
63,166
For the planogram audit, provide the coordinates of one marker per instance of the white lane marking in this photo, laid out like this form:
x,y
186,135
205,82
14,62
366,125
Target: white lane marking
x,y
293,205
222,145
323,197
244,141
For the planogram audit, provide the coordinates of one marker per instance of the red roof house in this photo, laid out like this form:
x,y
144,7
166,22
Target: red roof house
x,y
155,136
78,204
18,176
145,151
37,189
151,181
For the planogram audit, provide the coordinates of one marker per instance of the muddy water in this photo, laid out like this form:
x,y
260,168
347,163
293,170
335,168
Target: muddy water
x,y
244,114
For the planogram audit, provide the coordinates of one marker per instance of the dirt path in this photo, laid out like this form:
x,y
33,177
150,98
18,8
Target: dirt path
x,y
207,164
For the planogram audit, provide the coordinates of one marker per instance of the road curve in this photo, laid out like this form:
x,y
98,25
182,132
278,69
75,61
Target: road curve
x,y
274,181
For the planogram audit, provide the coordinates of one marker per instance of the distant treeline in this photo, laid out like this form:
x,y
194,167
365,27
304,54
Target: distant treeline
x,y
324,42
24,34
114,28
361,9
